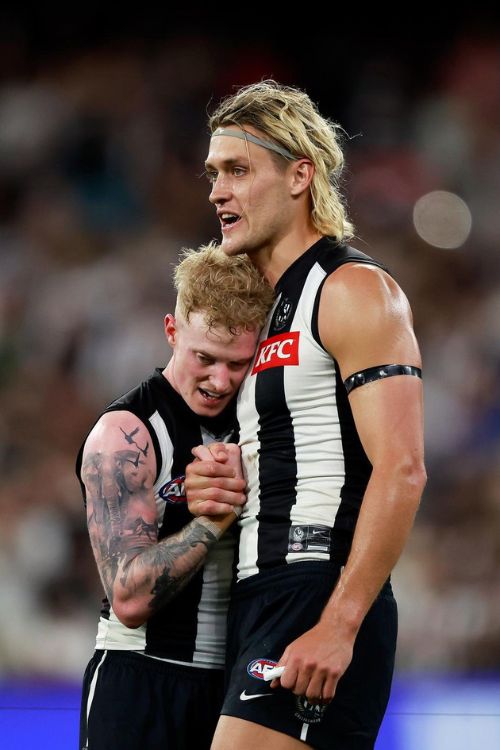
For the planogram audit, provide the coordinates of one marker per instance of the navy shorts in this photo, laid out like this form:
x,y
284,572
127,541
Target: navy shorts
x,y
270,610
134,702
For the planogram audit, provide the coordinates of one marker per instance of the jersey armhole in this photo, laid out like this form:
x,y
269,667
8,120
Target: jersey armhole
x,y
315,313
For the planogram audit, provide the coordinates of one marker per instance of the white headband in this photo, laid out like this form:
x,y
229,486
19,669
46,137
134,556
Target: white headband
x,y
245,136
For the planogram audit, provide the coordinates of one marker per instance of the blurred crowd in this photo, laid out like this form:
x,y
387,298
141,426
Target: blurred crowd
x,y
101,185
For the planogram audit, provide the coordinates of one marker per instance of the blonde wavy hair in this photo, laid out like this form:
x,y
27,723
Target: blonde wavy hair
x,y
229,291
289,117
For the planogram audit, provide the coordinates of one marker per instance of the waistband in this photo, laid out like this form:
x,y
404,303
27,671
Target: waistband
x,y
299,571
157,665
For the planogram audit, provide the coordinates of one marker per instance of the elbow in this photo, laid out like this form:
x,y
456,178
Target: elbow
x,y
412,476
419,476
407,475
129,613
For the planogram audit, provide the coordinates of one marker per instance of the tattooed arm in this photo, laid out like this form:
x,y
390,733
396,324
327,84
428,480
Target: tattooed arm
x,y
139,573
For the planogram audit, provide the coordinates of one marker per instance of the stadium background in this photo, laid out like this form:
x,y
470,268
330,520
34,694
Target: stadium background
x,y
102,138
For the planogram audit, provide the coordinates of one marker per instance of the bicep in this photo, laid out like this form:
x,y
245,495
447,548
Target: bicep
x,y
388,415
365,321
118,471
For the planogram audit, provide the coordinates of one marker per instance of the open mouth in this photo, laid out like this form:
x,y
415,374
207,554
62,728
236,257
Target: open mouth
x,y
229,220
213,397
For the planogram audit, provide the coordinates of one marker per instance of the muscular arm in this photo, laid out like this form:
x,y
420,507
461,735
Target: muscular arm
x,y
364,321
139,574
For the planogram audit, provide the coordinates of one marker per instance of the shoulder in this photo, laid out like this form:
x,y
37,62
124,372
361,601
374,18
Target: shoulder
x,y
358,291
365,318
119,432
354,279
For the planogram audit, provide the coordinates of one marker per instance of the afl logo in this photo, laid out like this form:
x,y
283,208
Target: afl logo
x,y
173,491
259,667
282,314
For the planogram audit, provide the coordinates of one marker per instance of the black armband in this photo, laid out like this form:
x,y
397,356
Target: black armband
x,y
379,373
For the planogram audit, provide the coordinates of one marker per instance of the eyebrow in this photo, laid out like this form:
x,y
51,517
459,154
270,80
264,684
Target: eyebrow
x,y
231,362
228,162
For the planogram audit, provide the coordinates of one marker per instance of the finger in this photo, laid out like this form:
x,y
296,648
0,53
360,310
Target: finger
x,y
223,492
289,677
211,508
202,452
234,458
214,488
315,690
302,680
209,470
279,670
219,451
233,449
274,673
329,689
213,500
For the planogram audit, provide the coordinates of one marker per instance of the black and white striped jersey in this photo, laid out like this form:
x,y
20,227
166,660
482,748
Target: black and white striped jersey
x,y
304,463
191,628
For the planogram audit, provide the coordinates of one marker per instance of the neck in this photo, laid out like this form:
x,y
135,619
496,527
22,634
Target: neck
x,y
169,375
274,259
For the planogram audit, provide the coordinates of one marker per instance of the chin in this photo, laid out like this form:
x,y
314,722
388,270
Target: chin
x,y
207,410
231,248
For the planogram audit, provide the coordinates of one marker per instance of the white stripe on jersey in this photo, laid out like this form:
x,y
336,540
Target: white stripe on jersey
x,y
167,457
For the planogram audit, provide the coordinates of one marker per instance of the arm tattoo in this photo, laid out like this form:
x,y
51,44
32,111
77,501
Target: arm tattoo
x,y
128,438
119,491
178,558
116,484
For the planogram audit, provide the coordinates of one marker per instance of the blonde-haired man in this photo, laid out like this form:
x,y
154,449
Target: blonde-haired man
x,y
330,418
156,678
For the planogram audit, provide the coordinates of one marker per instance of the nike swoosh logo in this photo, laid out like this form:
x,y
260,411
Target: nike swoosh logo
x,y
245,697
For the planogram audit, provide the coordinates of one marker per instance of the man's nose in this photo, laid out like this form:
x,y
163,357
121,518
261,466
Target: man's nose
x,y
221,190
219,378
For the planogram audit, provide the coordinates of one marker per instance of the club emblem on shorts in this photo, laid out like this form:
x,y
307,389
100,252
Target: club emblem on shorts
x,y
297,537
310,713
258,667
310,538
173,491
282,314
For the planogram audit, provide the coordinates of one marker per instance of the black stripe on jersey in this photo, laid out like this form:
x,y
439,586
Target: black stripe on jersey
x,y
357,466
277,467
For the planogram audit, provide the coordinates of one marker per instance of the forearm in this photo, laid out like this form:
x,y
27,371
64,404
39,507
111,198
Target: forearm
x,y
386,517
151,578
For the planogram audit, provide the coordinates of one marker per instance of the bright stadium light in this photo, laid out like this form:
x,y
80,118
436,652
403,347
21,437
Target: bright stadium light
x,y
442,219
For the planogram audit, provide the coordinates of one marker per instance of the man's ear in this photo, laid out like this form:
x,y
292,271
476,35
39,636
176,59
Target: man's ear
x,y
170,329
301,176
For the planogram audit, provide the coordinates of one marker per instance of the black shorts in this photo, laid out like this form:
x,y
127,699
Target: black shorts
x,y
270,610
134,702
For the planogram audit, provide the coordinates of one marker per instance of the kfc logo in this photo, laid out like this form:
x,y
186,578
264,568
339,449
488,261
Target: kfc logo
x,y
277,351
